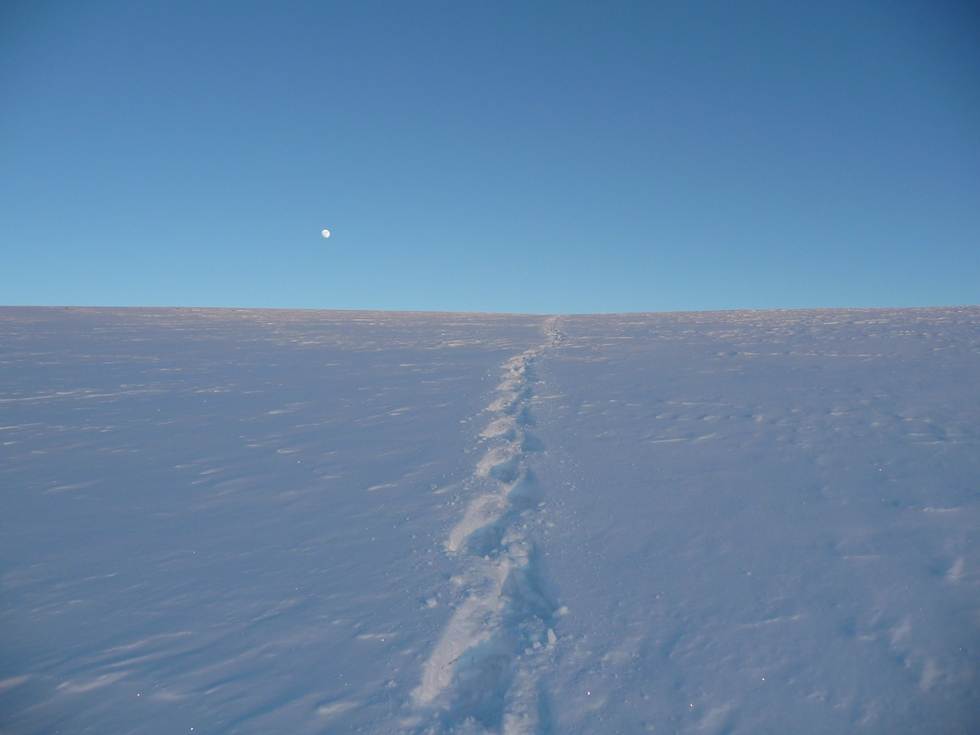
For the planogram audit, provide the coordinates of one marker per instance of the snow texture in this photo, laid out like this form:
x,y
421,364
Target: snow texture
x,y
314,522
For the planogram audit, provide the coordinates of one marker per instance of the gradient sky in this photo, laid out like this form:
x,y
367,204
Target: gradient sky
x,y
499,156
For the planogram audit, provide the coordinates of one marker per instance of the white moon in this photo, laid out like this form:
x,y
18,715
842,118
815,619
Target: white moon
x,y
326,233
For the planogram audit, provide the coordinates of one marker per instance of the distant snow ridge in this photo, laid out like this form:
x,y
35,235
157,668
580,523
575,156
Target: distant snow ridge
x,y
485,674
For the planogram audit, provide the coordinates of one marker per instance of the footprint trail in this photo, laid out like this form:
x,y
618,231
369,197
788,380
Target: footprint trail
x,y
486,673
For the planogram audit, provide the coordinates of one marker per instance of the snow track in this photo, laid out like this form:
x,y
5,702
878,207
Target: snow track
x,y
486,671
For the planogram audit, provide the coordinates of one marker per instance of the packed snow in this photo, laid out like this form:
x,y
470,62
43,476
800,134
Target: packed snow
x,y
253,521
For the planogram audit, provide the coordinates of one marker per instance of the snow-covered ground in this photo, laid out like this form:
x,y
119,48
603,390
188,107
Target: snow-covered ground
x,y
270,521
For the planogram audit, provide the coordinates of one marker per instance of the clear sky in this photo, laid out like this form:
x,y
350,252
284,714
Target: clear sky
x,y
496,156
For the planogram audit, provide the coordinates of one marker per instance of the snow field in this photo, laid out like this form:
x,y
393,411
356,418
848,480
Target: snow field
x,y
319,522
759,521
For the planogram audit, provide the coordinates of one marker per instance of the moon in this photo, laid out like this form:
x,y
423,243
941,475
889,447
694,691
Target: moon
x,y
326,233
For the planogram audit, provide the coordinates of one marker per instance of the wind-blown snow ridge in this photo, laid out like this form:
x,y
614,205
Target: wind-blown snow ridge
x,y
485,673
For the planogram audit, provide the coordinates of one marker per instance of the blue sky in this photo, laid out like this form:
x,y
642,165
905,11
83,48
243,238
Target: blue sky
x,y
504,156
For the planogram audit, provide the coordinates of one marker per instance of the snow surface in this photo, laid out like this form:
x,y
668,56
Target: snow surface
x,y
269,521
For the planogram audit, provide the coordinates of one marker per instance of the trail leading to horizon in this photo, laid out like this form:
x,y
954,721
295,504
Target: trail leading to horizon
x,y
486,668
